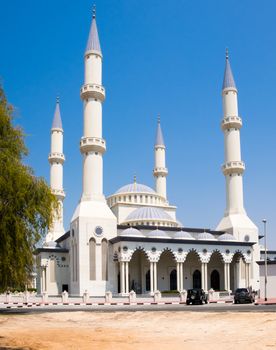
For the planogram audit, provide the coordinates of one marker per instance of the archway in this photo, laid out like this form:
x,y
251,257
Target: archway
x,y
237,272
166,278
197,279
191,265
138,272
215,280
215,271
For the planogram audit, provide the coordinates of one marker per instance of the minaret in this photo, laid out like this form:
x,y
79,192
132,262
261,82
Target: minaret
x,y
92,145
235,219
93,222
56,159
160,171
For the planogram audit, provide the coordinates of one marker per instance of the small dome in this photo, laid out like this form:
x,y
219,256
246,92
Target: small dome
x,y
157,234
135,188
227,237
206,236
183,235
149,213
51,244
131,232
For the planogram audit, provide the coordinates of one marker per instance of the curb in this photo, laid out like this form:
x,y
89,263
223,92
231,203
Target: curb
x,y
20,305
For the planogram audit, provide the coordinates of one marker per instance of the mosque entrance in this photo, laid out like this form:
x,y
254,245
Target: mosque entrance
x,y
173,282
197,279
215,280
139,275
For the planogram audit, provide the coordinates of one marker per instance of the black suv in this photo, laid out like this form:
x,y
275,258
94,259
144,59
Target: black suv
x,y
196,296
243,295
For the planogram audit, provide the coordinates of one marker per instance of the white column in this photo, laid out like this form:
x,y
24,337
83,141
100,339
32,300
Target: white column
x,y
127,277
203,275
151,278
247,283
155,276
177,276
181,275
228,277
225,276
122,276
206,278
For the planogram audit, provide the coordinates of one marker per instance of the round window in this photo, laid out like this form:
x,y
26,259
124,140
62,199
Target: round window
x,y
180,250
153,249
98,230
246,238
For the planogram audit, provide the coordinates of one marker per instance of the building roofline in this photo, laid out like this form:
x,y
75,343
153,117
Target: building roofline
x,y
63,237
269,262
56,250
183,241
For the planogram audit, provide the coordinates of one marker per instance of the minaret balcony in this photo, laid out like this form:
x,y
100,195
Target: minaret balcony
x,y
56,157
233,167
160,171
231,122
92,91
95,144
60,194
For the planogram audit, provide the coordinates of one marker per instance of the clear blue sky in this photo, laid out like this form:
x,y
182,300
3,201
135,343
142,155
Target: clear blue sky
x,y
162,57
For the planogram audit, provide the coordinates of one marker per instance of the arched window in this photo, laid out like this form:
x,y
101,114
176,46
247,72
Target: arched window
x,y
92,258
173,282
104,259
148,281
215,280
52,270
197,279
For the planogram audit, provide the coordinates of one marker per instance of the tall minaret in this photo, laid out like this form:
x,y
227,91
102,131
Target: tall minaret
x,y
235,218
92,144
56,159
93,222
160,171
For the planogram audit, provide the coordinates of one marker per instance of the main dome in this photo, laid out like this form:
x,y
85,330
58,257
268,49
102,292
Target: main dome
x,y
149,213
135,188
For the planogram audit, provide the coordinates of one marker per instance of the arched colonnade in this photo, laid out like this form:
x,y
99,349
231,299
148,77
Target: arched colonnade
x,y
167,270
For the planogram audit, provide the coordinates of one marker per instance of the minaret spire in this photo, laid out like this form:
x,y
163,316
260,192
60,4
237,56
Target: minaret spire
x,y
56,160
228,80
93,42
235,216
160,171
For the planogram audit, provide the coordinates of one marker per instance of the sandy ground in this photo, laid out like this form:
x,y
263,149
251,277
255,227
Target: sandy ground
x,y
138,330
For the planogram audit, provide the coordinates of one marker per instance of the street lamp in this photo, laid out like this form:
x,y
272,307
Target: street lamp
x,y
264,222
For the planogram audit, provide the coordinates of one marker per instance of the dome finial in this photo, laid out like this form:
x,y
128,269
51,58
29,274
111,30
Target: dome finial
x,y
94,11
158,118
134,178
57,99
227,53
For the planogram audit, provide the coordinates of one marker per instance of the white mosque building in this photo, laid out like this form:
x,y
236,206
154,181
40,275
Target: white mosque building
x,y
132,239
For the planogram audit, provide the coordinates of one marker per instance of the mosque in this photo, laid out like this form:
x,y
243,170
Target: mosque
x,y
132,239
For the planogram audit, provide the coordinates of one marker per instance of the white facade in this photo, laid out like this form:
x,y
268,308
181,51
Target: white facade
x,y
132,239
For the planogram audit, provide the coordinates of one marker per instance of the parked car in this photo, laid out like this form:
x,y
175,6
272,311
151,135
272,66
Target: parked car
x,y
196,296
243,295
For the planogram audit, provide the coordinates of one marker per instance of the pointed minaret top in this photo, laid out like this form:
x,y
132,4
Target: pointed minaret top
x,y
228,81
159,136
93,43
57,124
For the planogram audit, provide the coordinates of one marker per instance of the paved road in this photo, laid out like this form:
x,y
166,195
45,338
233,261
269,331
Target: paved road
x,y
133,308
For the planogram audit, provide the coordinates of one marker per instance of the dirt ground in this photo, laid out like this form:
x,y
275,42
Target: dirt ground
x,y
138,330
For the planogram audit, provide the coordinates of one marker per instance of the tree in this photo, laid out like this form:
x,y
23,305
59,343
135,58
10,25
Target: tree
x,y
26,204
